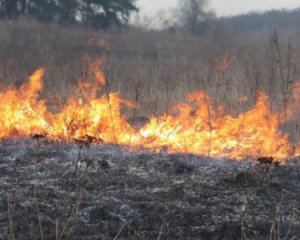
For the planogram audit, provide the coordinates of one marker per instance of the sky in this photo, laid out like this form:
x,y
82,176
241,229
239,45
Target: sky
x,y
221,7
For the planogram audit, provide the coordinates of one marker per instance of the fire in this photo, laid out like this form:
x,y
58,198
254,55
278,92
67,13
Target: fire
x,y
99,118
21,113
89,115
200,130
193,127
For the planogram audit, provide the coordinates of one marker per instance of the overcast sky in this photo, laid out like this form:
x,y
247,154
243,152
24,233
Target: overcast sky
x,y
221,7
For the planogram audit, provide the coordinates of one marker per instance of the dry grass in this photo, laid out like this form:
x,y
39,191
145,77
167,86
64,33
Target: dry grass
x,y
167,64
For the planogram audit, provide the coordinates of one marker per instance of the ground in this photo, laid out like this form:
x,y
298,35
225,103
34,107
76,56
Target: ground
x,y
50,191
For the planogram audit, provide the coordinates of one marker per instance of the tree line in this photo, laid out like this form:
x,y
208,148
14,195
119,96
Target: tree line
x,y
95,13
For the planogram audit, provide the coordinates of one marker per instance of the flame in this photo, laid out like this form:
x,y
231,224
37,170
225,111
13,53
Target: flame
x,y
89,115
192,127
99,118
200,130
21,112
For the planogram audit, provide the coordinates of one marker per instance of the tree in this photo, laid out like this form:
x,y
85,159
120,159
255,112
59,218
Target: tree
x,y
43,10
105,13
95,13
9,8
193,15
67,10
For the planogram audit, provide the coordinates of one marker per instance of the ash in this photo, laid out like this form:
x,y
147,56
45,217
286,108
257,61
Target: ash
x,y
63,191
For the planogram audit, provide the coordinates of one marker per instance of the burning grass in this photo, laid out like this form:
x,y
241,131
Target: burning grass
x,y
193,127
95,190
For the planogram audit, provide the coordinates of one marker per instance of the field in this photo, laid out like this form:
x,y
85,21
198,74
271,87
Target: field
x,y
148,171
118,194
155,68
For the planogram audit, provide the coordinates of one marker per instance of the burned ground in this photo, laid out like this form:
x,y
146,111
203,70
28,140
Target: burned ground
x,y
111,193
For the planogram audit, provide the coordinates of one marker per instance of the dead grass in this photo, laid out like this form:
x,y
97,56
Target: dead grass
x,y
167,65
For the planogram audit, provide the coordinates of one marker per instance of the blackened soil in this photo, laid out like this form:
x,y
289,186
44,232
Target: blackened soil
x,y
49,191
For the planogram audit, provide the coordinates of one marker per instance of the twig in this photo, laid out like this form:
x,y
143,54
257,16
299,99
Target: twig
x,y
120,231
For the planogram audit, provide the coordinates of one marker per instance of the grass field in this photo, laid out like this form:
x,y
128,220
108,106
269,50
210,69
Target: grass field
x,y
154,68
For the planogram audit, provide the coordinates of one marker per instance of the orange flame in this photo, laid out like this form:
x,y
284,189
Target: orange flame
x,y
251,134
193,127
21,113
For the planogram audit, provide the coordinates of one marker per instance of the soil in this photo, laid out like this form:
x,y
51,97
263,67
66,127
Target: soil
x,y
66,191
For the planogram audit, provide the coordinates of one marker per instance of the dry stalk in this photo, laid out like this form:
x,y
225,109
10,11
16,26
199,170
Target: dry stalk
x,y
209,124
120,231
11,235
138,87
243,230
78,157
290,227
41,234
56,229
163,224
76,207
275,229
107,95
111,116
285,72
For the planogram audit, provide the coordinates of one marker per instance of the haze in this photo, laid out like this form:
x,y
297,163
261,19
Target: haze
x,y
221,7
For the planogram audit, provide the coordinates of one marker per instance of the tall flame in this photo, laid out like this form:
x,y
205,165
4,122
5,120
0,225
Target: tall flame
x,y
193,127
21,112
